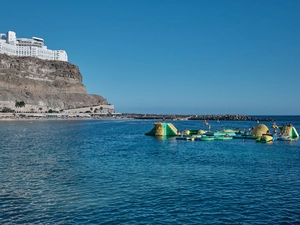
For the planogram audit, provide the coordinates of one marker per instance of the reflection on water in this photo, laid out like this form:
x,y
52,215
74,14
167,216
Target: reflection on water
x,y
97,172
165,138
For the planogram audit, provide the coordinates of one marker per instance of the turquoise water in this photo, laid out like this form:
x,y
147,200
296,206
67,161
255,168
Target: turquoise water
x,y
109,172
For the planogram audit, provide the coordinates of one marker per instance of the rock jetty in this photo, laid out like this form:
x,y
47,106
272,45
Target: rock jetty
x,y
193,117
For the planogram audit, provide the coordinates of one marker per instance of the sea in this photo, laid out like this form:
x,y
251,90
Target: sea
x,y
110,172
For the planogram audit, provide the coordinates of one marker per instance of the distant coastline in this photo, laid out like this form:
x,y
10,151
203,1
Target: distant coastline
x,y
97,116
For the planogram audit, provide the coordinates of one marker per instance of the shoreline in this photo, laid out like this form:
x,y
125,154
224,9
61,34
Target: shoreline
x,y
124,116
57,119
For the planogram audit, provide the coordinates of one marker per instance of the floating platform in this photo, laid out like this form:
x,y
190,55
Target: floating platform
x,y
259,133
244,136
221,133
186,138
207,138
224,138
285,138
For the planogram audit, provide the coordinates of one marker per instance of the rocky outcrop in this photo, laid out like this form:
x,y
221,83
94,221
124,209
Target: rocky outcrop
x,y
45,84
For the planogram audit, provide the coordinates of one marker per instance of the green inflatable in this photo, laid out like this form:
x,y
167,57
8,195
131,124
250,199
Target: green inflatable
x,y
163,129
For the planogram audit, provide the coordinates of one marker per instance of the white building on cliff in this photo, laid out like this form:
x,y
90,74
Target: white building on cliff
x,y
11,45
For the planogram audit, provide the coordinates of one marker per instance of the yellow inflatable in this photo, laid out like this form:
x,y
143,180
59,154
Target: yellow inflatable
x,y
259,130
201,131
159,129
289,131
186,132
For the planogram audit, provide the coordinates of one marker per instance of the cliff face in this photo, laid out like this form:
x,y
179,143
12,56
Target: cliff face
x,y
43,83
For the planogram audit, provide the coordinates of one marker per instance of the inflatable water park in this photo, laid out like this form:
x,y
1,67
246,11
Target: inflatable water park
x,y
260,133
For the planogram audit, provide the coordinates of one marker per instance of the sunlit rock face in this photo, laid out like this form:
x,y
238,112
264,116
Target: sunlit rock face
x,y
43,84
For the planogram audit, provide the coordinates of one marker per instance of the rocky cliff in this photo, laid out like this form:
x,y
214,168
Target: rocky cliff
x,y
43,84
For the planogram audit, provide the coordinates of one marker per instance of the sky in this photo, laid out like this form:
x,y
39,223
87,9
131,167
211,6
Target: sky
x,y
174,56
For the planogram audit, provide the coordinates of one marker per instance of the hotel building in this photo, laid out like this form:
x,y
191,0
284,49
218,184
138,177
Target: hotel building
x,y
11,45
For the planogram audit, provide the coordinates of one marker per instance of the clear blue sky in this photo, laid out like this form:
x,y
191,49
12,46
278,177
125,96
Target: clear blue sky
x,y
169,56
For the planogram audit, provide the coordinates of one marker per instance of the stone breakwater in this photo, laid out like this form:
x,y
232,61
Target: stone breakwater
x,y
193,117
130,116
